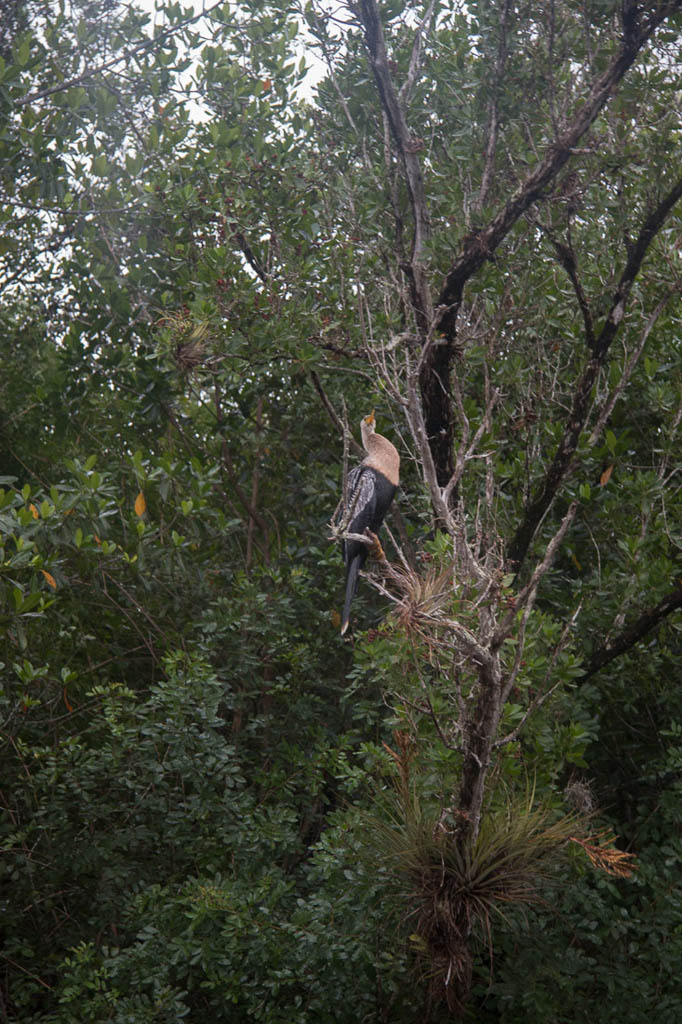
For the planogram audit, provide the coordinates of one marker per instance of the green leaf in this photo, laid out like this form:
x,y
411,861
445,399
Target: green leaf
x,y
23,51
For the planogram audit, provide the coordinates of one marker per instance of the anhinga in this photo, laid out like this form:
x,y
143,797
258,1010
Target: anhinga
x,y
369,493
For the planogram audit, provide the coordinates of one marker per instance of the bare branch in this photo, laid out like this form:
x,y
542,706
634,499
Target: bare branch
x,y
465,456
417,426
527,594
251,257
405,93
448,744
518,658
537,703
543,694
369,542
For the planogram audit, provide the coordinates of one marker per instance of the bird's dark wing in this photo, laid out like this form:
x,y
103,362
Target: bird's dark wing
x,y
361,494
358,514
368,496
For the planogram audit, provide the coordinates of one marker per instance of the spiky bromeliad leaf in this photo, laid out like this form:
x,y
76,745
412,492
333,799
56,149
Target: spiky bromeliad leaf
x,y
452,886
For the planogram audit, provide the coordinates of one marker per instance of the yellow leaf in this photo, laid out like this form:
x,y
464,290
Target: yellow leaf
x,y
606,476
67,702
34,511
50,578
140,504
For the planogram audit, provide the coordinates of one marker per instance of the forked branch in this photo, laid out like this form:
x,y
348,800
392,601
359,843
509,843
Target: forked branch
x,y
482,244
582,396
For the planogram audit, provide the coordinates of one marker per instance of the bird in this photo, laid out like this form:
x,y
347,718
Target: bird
x,y
371,487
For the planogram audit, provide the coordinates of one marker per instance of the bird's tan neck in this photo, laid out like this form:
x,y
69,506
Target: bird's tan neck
x,y
383,457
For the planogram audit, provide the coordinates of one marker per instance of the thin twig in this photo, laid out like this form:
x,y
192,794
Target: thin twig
x,y
527,594
333,415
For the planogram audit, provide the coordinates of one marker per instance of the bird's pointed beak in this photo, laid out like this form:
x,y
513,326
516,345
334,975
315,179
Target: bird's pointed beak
x,y
370,418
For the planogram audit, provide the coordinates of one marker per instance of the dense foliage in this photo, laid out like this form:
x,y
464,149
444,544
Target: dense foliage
x,y
213,807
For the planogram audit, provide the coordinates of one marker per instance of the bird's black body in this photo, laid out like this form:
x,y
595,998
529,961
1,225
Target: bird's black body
x,y
370,494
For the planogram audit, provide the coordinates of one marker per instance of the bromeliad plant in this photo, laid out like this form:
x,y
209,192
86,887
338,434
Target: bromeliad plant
x,y
456,885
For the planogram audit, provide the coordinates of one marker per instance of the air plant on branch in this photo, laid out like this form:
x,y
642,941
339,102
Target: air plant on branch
x,y
188,340
422,601
454,887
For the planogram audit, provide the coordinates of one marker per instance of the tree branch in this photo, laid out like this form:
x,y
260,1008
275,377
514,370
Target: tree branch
x,y
617,391
250,256
582,397
333,415
566,258
527,595
635,632
415,58
418,429
480,245
408,147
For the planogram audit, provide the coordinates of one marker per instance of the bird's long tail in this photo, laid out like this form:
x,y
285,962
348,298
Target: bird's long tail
x,y
352,569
